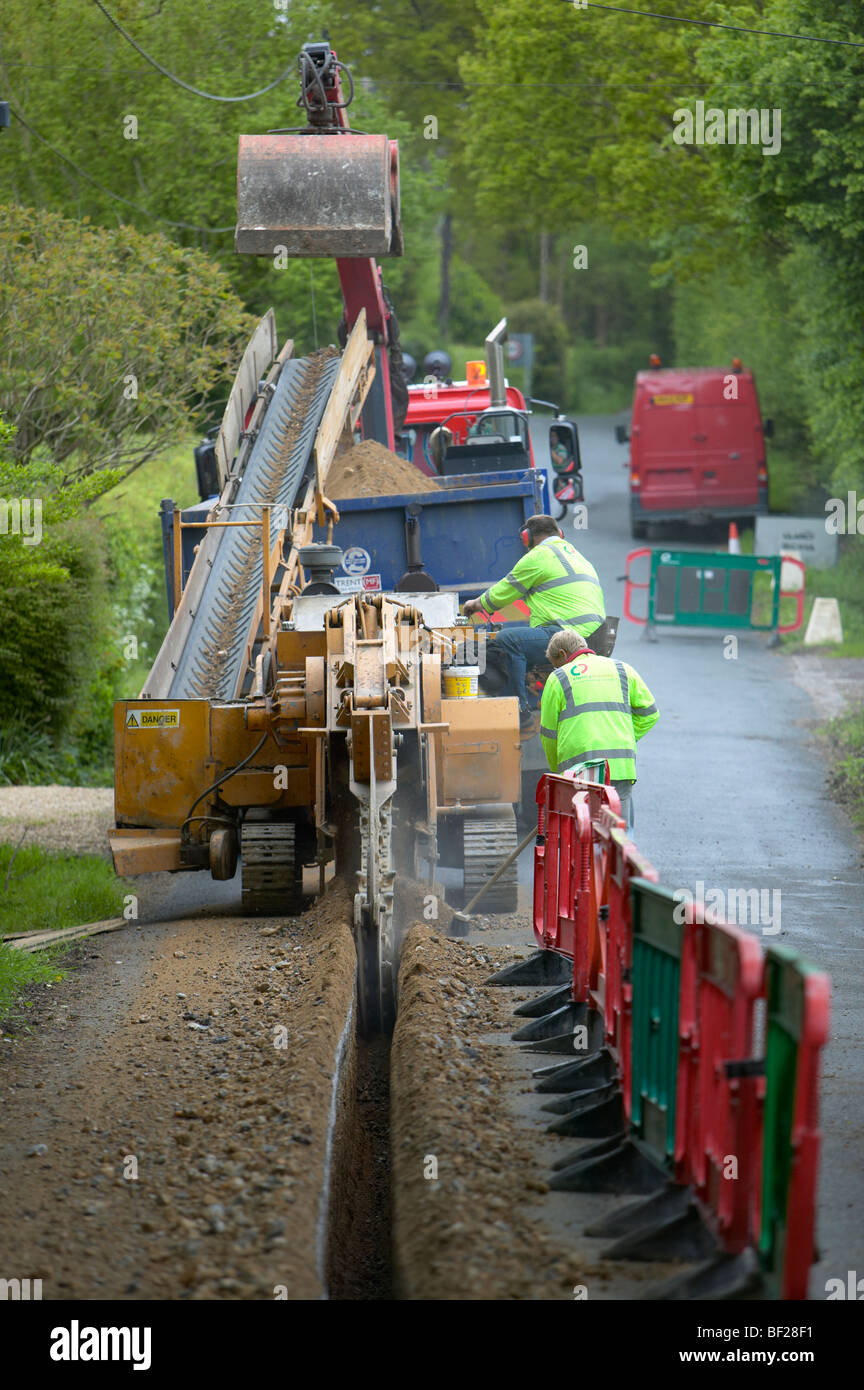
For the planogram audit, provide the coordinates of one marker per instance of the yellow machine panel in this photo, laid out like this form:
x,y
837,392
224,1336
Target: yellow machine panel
x,y
480,756
161,751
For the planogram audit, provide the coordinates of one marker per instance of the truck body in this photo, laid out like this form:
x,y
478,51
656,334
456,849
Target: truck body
x,y
697,447
375,534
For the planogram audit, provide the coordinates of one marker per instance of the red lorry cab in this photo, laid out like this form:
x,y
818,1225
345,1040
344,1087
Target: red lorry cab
x,y
697,447
458,404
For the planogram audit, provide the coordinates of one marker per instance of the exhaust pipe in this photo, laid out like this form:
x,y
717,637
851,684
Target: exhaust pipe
x,y
495,364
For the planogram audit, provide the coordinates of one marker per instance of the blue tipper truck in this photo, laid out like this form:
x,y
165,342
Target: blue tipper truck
x,y
464,535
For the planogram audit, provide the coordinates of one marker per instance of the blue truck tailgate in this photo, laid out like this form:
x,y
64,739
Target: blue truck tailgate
x,y
468,531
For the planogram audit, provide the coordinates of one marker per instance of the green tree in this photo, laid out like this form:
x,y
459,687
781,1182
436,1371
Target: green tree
x,y
550,340
107,338
169,156
411,53
52,592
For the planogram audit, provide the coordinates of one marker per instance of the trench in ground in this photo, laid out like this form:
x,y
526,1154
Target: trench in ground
x,y
358,1258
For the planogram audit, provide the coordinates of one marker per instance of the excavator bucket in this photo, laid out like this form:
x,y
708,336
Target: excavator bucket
x,y
330,195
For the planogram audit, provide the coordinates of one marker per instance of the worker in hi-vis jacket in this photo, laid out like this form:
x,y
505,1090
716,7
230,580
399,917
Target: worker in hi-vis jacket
x,y
559,586
594,710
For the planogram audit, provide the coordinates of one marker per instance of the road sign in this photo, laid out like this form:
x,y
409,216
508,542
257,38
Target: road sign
x,y
802,535
519,350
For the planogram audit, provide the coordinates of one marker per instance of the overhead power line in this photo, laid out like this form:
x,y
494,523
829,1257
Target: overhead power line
x,y
117,197
717,24
187,86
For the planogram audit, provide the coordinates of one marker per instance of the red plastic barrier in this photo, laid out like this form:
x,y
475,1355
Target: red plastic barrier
x,y
631,584
718,1129
561,858
622,861
583,868
799,1250
797,594
583,860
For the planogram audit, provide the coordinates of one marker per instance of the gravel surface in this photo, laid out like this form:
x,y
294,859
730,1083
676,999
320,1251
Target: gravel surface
x,y
485,1226
73,819
467,1233
159,1138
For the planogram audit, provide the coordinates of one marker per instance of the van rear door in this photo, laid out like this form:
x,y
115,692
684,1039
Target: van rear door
x,y
725,438
664,454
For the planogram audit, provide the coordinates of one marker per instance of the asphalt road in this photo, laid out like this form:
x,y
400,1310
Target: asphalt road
x,y
731,794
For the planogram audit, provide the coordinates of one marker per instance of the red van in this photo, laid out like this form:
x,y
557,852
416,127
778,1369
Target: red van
x,y
697,447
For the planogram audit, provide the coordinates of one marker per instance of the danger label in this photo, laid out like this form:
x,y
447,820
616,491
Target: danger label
x,y
683,398
153,719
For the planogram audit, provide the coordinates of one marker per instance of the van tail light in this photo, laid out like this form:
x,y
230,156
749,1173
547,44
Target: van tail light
x,y
762,474
634,482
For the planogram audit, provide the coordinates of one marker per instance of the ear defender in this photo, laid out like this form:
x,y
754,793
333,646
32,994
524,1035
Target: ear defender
x,y
526,537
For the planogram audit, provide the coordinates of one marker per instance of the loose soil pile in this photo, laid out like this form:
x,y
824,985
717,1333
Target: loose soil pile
x,y
468,1233
368,469
204,1050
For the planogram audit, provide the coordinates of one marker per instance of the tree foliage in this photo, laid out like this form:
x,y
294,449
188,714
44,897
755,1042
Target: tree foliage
x,y
774,235
107,338
52,591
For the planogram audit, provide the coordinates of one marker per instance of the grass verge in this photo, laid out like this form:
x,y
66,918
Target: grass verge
x,y
40,891
47,890
845,734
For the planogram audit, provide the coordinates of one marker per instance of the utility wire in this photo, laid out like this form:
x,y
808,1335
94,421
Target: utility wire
x,y
187,86
717,24
118,198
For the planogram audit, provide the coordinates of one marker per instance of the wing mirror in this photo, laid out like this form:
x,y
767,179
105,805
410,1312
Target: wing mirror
x,y
564,446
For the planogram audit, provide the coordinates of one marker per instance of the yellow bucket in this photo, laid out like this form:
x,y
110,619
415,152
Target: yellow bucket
x,y
461,682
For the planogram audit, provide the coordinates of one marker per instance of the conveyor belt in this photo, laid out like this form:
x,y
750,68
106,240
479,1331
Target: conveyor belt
x,y
208,641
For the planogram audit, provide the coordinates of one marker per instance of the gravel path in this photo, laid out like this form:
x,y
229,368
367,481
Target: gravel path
x,y
164,1111
73,819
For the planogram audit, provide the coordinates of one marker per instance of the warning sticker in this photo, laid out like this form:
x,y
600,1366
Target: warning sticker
x,y
153,719
684,398
358,584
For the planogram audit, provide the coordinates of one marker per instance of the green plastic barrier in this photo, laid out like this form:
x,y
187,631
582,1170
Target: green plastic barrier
x,y
711,588
714,589
656,975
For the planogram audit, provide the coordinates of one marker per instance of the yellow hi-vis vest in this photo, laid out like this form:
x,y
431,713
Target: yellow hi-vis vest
x,y
557,583
595,709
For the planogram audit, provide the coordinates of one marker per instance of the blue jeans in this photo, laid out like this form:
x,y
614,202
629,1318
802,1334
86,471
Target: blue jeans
x,y
513,651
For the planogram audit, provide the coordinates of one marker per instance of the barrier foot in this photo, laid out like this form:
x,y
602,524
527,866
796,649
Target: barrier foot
x,y
575,1100
552,1025
545,1003
598,1119
574,1041
681,1236
569,1076
649,633
595,1150
622,1169
543,968
637,1215
725,1277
